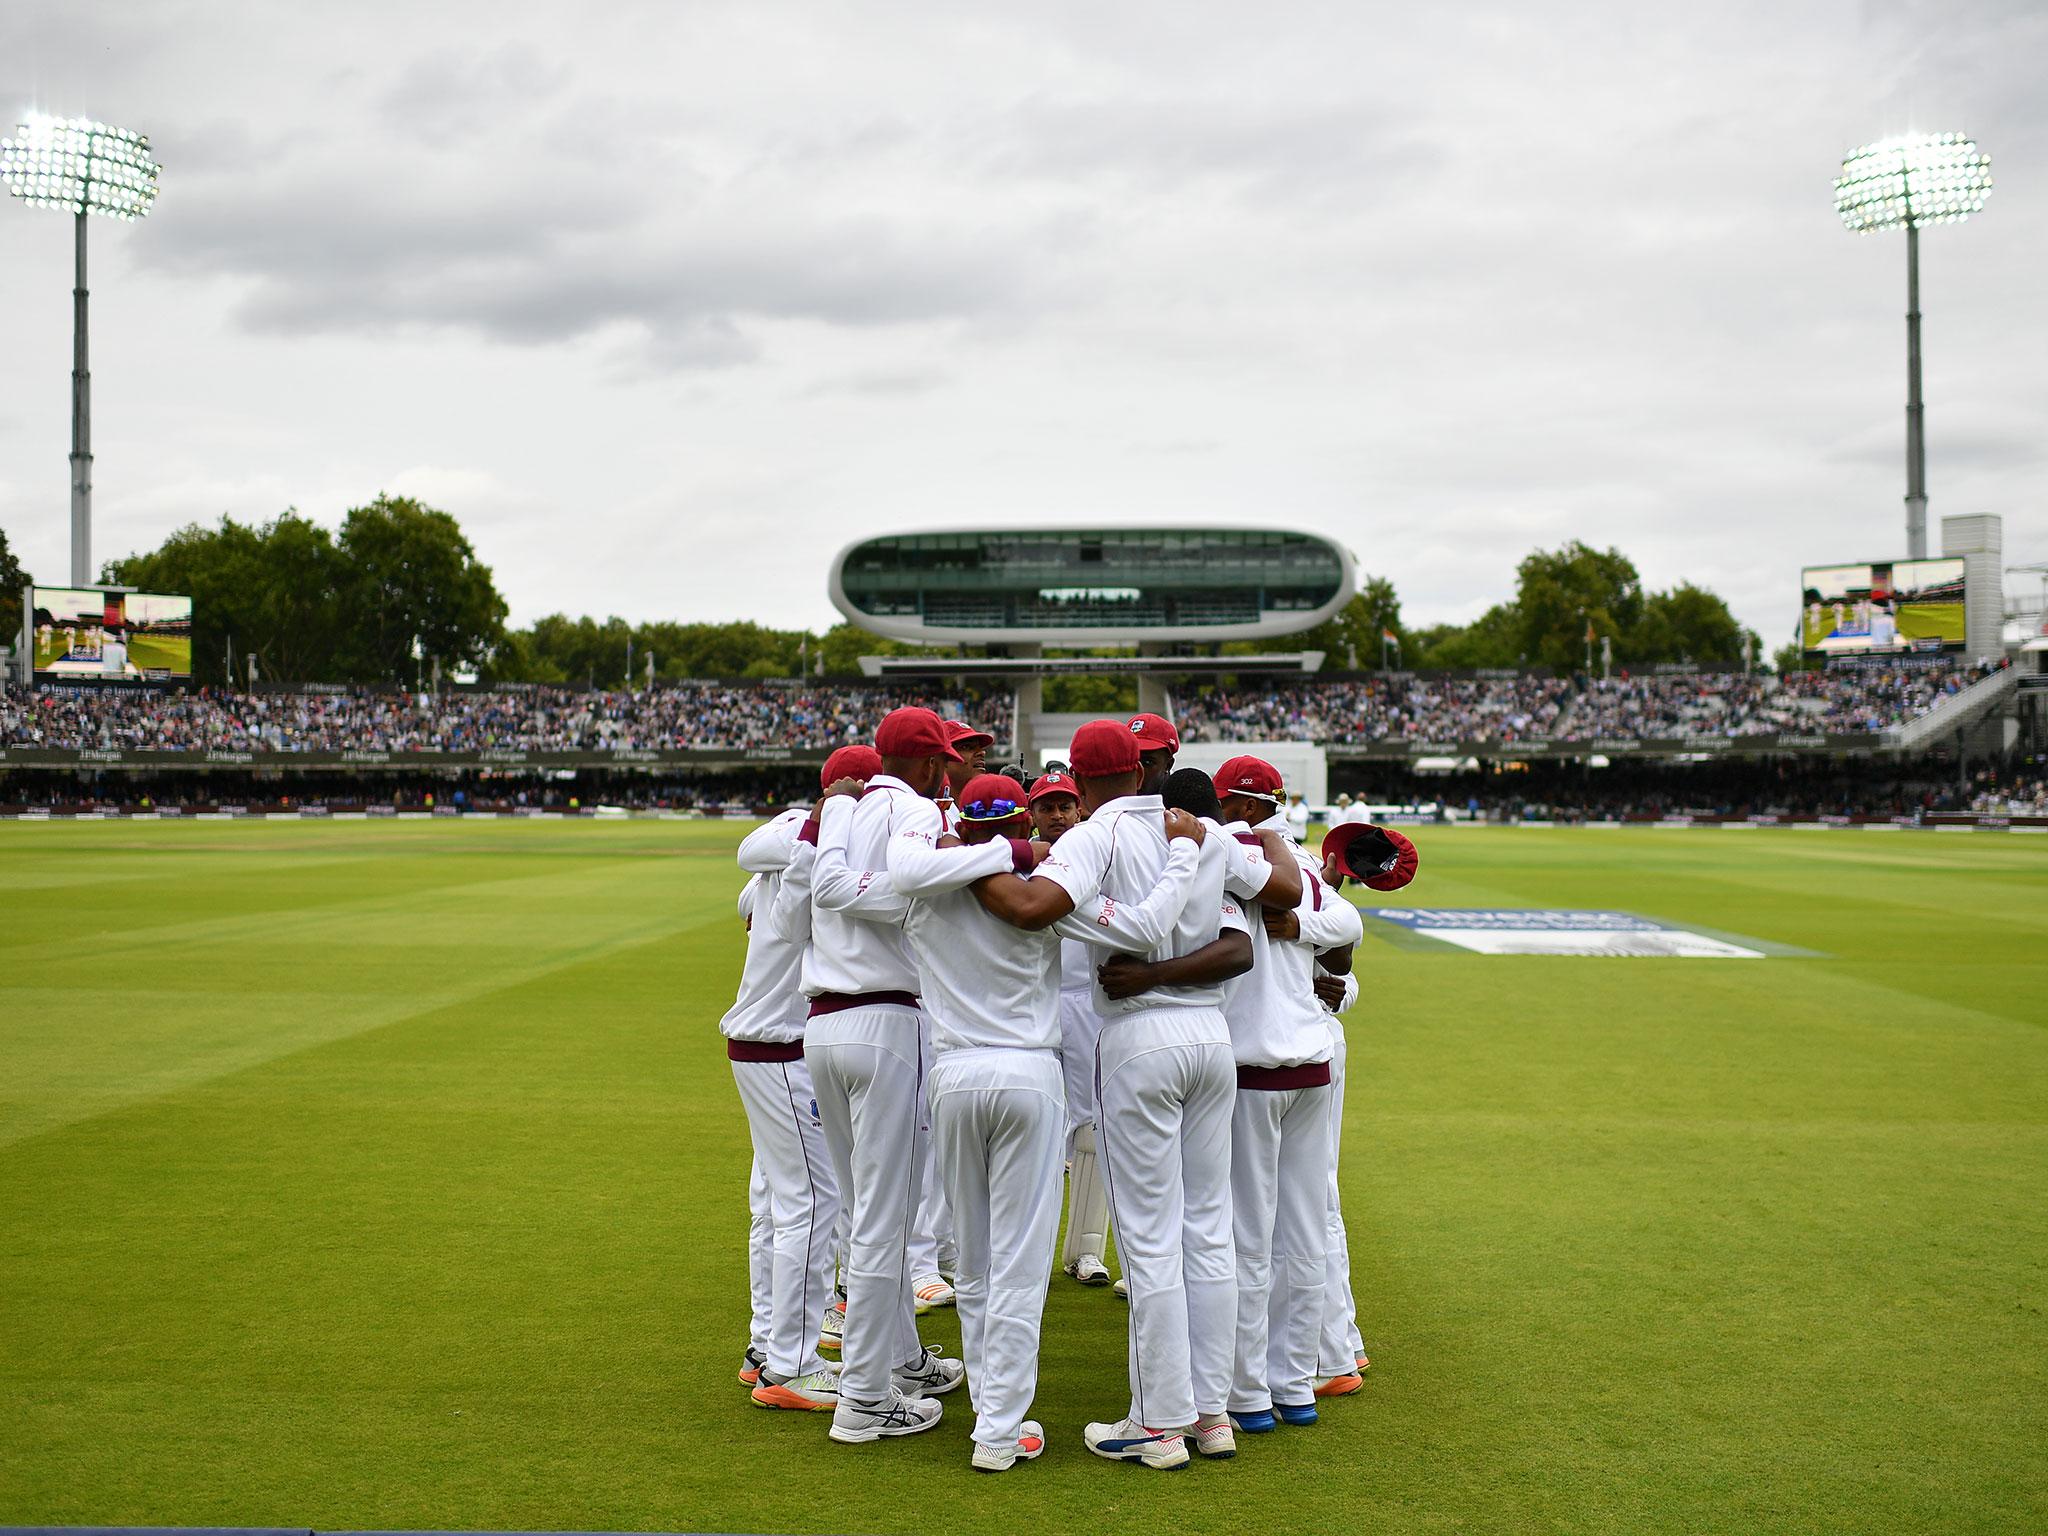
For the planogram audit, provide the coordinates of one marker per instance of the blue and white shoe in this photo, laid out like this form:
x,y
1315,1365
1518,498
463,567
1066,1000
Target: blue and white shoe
x,y
1260,1422
1128,1440
1296,1413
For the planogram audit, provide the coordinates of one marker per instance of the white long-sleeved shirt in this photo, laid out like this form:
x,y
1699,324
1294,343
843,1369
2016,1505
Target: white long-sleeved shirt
x,y
1120,852
769,1007
857,941
987,984
1276,1020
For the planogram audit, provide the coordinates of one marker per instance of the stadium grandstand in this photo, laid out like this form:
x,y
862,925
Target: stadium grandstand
x,y
981,622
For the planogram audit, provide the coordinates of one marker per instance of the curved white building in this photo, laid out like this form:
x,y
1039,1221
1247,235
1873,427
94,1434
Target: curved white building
x,y
1073,587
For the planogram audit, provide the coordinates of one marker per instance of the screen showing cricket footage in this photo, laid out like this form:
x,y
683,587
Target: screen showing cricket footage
x,y
1897,605
86,634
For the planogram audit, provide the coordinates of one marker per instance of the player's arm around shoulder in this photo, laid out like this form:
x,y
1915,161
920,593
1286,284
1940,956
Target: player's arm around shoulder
x,y
1070,871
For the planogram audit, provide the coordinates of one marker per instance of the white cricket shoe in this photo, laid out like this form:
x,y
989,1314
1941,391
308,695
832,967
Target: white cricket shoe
x,y
931,1291
1213,1438
813,1393
1123,1288
834,1326
1029,1446
930,1376
1128,1440
856,1423
1089,1269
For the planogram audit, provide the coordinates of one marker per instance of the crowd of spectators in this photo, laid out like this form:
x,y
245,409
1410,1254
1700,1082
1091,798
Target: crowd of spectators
x,y
1447,709
682,716
1398,707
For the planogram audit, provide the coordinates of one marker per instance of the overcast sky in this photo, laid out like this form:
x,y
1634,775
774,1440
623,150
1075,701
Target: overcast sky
x,y
666,302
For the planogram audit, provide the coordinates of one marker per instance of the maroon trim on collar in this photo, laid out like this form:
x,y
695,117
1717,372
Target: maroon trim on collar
x,y
1312,1074
839,1002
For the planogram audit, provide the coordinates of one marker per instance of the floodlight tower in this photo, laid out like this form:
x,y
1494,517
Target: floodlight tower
x,y
82,167
1903,183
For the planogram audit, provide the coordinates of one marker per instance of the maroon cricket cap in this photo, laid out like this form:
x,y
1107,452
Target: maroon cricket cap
x,y
1101,749
1154,733
1248,776
961,734
1055,784
856,762
914,732
991,797
1375,856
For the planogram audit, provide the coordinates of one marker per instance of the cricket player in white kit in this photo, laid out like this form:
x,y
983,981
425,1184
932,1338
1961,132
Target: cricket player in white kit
x,y
863,1043
793,1181
997,1105
1383,860
1280,1128
1055,802
1165,1081
933,1247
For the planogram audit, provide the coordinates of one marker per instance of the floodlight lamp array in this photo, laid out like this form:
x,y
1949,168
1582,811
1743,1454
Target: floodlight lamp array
x,y
1926,178
80,166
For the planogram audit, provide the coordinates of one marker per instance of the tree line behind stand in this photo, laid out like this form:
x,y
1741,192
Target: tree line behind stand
x,y
398,588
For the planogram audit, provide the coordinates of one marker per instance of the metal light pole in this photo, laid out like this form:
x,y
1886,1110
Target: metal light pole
x,y
1903,183
82,167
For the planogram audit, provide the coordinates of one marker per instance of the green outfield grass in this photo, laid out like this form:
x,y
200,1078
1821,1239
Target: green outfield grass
x,y
390,1175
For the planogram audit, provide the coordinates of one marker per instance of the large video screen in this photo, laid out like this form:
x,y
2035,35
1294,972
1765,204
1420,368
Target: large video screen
x,y
86,634
1898,605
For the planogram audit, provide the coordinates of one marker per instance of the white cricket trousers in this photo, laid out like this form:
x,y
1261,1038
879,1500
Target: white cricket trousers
x,y
1164,1081
1080,1026
802,1206
867,1070
999,1123
1342,1343
760,1259
932,1247
1280,1190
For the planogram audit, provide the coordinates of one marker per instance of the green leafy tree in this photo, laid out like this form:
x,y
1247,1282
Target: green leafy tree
x,y
1494,639
1353,636
1563,592
412,588
1685,624
12,579
272,589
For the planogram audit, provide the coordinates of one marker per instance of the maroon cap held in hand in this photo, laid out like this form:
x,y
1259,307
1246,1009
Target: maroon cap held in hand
x,y
914,732
1154,733
1378,857
1101,749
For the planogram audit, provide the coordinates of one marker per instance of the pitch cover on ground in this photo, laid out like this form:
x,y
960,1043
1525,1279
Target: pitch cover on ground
x,y
1540,931
88,633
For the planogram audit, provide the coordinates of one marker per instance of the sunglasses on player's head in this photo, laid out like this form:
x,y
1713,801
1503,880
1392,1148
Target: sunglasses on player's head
x,y
990,810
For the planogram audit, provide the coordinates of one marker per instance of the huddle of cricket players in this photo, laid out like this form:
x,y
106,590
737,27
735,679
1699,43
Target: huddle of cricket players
x,y
956,988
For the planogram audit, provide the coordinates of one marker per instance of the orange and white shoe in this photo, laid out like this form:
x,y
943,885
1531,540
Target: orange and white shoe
x,y
750,1367
816,1392
1364,1364
1339,1386
1029,1446
930,1292
834,1325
